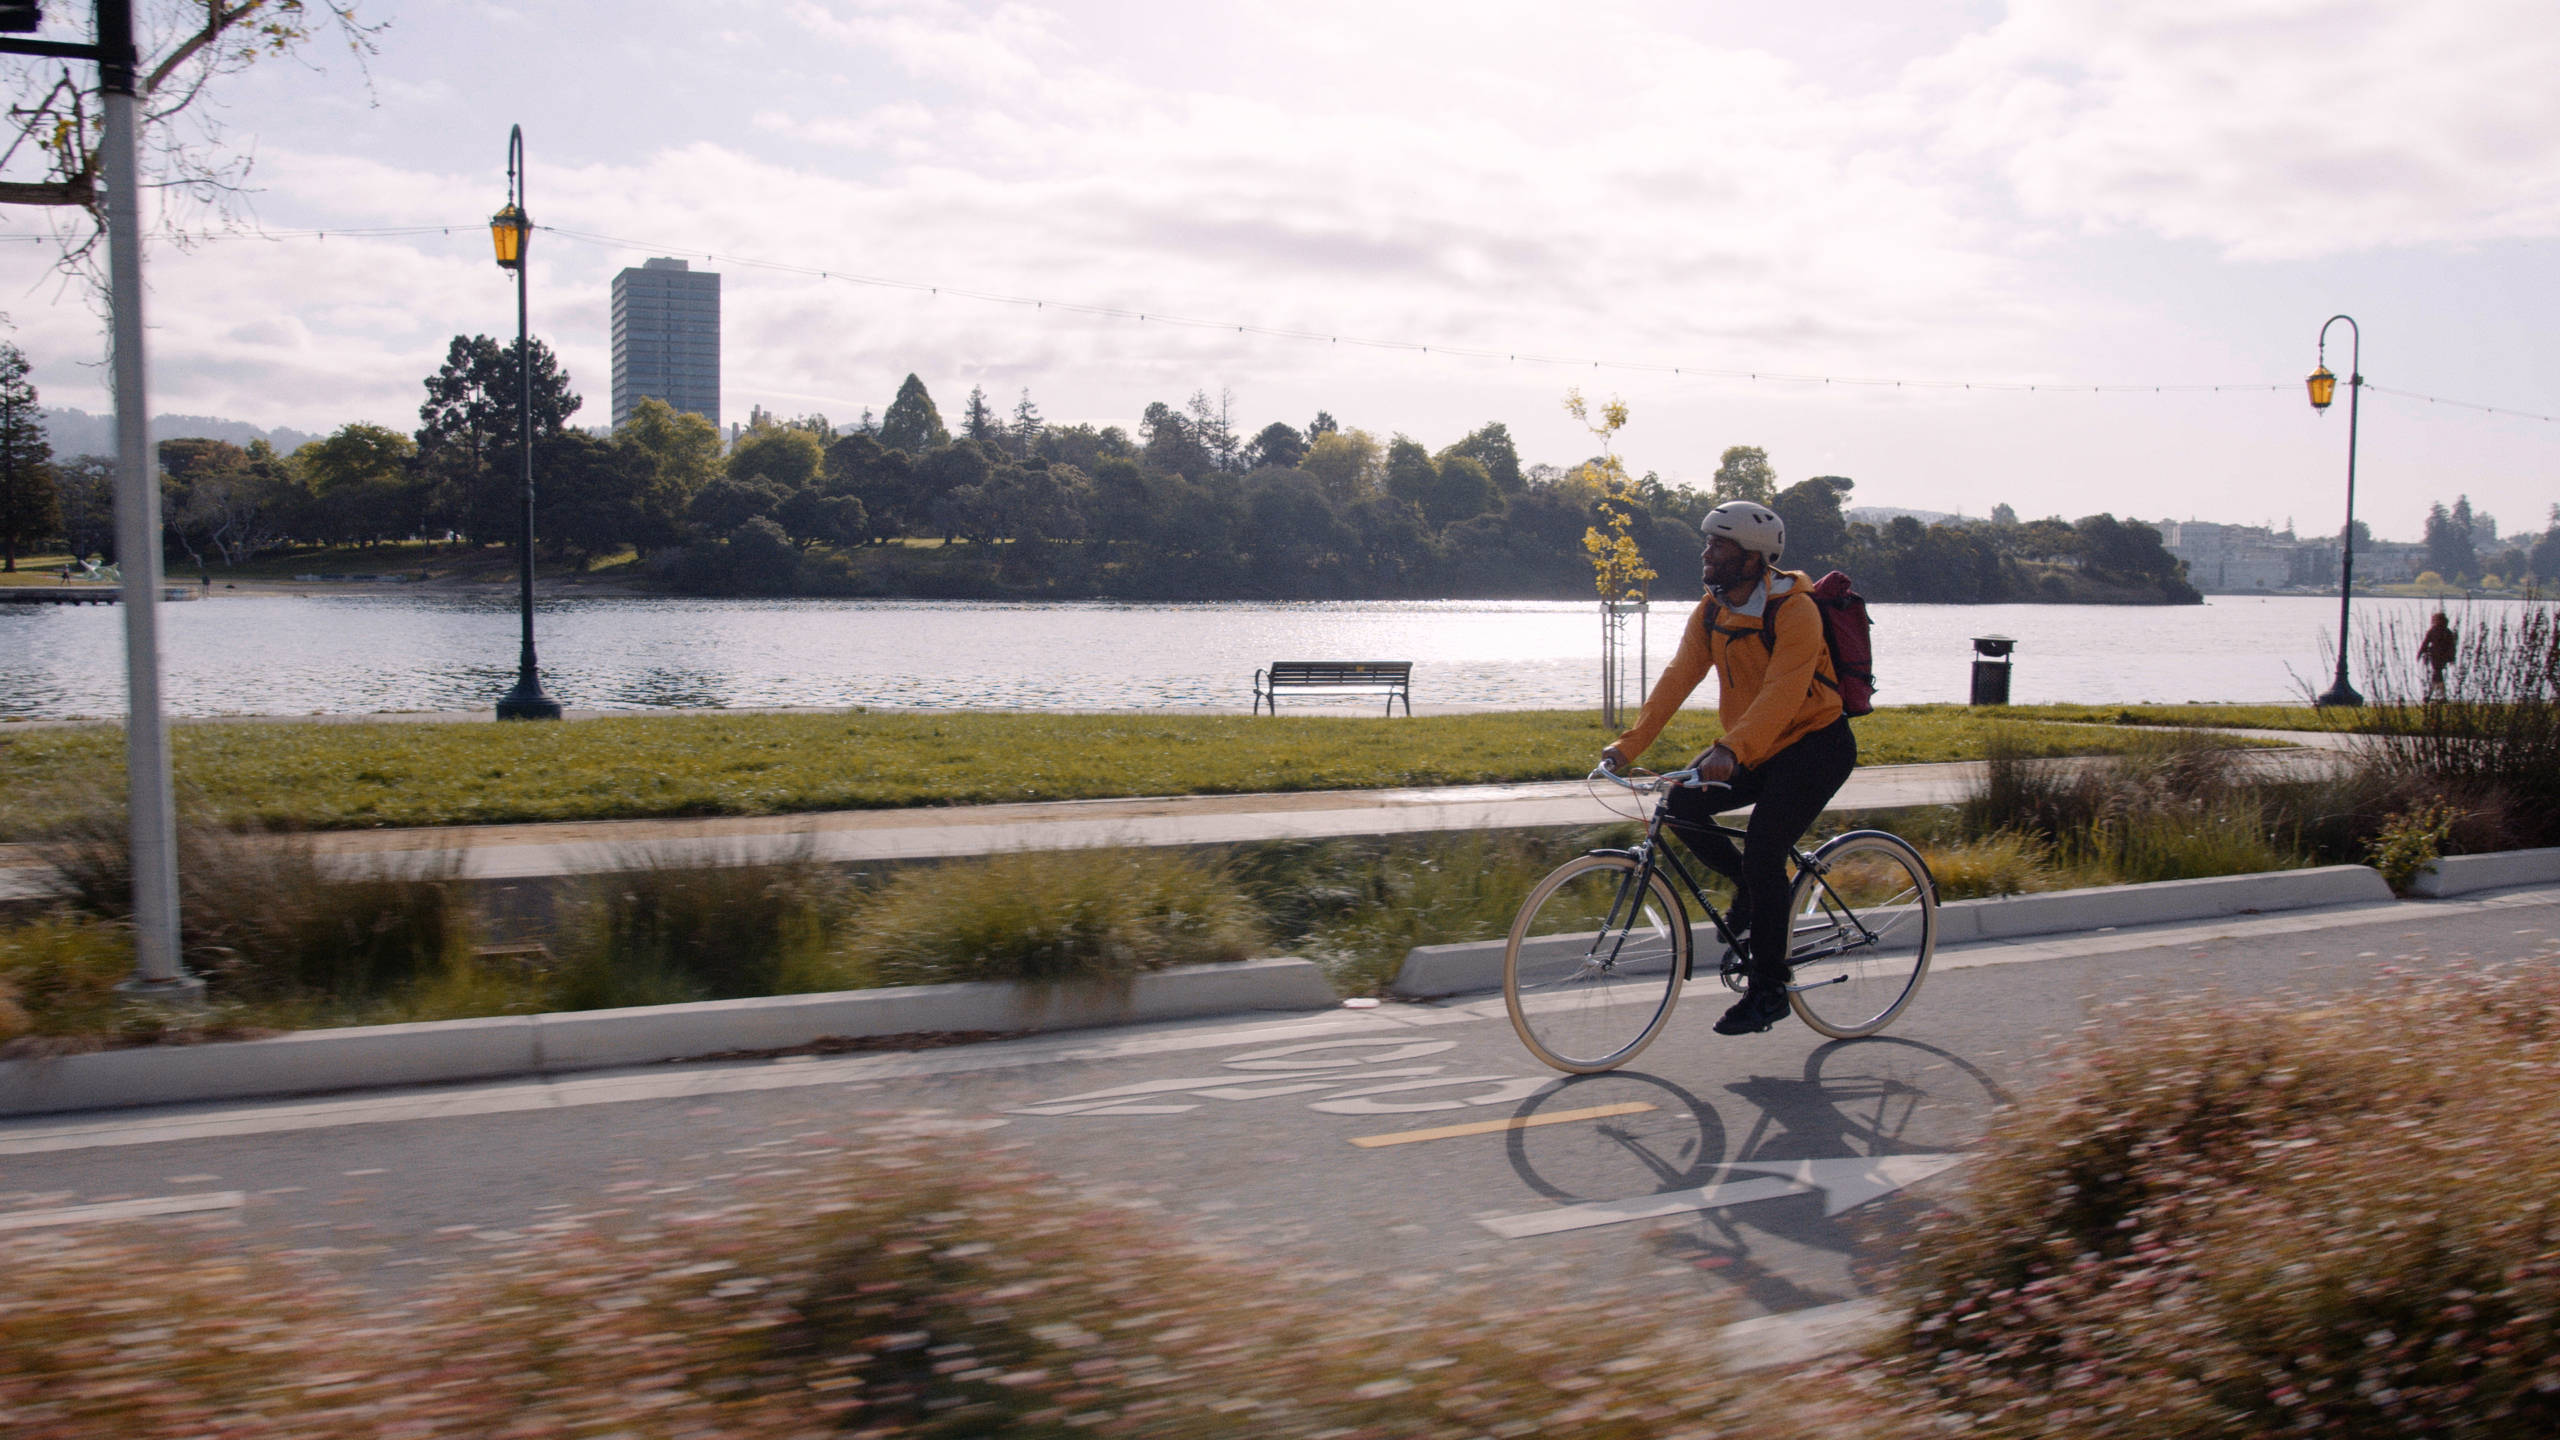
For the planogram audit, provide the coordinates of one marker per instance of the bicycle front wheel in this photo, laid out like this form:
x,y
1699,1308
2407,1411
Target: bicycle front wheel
x,y
1594,963
1866,923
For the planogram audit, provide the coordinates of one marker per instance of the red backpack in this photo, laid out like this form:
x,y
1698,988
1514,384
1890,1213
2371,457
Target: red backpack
x,y
1853,652
1845,629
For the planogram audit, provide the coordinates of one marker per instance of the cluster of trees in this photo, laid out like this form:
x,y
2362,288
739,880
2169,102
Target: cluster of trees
x,y
2095,558
1193,505
2465,549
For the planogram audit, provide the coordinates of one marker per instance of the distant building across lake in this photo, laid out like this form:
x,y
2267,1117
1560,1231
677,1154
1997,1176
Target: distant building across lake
x,y
2239,559
666,339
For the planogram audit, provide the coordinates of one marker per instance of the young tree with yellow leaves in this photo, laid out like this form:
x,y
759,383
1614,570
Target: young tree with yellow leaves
x,y
1617,565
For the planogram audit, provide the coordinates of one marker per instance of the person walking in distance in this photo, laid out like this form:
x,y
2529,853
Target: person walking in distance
x,y
1787,747
2436,652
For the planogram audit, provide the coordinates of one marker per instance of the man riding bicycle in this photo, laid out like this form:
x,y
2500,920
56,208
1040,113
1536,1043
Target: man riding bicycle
x,y
1786,748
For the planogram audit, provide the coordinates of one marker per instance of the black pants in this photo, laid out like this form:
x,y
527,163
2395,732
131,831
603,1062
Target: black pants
x,y
1785,793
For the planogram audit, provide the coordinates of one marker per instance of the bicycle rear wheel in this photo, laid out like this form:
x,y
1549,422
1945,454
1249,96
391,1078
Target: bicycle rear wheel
x,y
1866,923
1594,963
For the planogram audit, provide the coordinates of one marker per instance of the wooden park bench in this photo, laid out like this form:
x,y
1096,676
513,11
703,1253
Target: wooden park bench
x,y
1391,678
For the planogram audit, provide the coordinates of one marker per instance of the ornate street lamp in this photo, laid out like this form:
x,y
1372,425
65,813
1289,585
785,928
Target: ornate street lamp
x,y
2324,388
508,231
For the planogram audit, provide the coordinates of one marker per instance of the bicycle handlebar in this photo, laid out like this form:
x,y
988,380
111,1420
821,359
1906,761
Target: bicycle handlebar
x,y
1643,783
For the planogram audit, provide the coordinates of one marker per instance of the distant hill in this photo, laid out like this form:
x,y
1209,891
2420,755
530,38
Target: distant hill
x,y
1886,514
77,432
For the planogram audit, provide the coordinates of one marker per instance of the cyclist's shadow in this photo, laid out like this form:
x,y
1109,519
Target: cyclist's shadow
x,y
1878,1096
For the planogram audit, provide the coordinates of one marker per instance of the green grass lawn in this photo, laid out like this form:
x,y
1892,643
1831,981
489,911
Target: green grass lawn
x,y
2246,717
357,776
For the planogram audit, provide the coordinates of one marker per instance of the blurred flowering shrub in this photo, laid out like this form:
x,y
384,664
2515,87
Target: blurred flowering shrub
x,y
905,1288
2265,1219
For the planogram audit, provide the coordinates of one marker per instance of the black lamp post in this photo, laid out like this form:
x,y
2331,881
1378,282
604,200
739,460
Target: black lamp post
x,y
2324,386
508,230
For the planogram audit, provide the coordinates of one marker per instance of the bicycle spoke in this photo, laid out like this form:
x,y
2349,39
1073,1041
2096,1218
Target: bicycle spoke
x,y
1866,923
1594,963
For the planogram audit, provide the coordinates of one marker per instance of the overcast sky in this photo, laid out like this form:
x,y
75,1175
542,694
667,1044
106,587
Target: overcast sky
x,y
1925,190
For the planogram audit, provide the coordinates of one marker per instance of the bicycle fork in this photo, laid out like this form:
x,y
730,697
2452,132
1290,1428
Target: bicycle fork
x,y
1630,900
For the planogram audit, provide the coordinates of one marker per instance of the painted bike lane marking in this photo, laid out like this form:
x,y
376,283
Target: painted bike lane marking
x,y
1343,1072
1845,1183
1490,1127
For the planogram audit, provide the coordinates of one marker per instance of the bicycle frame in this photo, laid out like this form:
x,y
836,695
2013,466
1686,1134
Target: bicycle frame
x,y
1651,854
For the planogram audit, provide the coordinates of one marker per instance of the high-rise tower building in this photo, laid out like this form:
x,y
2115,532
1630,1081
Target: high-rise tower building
x,y
666,339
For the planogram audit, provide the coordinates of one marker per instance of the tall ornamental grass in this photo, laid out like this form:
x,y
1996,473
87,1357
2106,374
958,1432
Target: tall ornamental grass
x,y
2262,1218
662,928
58,977
2004,862
267,923
1051,915
2178,807
1355,906
2490,742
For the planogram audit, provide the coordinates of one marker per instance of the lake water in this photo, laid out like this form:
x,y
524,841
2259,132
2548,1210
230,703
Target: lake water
x,y
369,653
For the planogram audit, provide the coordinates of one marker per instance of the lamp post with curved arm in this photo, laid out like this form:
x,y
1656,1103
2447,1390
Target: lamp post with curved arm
x,y
2324,387
508,231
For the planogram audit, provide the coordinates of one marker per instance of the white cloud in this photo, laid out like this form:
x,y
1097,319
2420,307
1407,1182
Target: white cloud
x,y
2270,128
1629,181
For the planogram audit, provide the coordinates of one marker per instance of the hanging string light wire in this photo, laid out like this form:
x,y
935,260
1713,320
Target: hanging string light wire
x,y
1366,342
1371,342
2506,410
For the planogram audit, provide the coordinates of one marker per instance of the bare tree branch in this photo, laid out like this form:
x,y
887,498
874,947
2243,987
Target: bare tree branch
x,y
186,150
216,20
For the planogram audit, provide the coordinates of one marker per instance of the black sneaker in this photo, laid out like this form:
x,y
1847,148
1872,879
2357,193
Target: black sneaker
x,y
1756,1011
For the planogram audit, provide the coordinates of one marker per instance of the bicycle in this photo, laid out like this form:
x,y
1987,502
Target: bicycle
x,y
1599,951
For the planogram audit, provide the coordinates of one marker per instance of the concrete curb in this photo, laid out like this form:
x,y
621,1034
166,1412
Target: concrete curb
x,y
1433,970
364,1057
2462,874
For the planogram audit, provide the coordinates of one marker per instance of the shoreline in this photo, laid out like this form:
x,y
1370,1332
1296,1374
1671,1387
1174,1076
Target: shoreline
x,y
558,585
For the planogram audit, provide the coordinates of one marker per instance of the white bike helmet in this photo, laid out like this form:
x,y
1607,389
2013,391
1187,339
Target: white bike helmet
x,y
1752,526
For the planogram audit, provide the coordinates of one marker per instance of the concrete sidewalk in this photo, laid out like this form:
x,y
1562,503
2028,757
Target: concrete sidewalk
x,y
842,837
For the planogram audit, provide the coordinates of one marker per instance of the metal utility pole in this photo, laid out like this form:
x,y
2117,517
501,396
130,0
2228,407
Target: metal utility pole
x,y
158,973
157,970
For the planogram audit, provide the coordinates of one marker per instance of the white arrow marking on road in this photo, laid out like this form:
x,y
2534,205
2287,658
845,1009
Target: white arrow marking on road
x,y
1338,1054
1641,1207
1846,1183
1851,1181
1221,1087
1505,1088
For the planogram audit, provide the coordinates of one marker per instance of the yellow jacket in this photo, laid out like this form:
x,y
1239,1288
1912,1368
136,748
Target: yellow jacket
x,y
1769,699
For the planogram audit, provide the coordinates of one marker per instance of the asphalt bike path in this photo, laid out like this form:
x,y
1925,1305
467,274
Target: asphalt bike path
x,y
1387,1147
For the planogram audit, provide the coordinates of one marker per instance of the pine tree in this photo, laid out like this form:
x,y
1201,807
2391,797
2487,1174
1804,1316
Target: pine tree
x,y
1213,425
1027,427
28,512
912,424
978,421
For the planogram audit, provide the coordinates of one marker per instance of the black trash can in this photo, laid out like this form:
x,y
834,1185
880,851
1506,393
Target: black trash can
x,y
1991,669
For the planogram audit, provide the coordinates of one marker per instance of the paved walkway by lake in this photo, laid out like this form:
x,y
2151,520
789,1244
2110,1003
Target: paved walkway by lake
x,y
535,851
